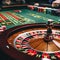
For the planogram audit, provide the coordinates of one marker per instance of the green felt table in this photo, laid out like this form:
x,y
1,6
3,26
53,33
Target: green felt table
x,y
25,16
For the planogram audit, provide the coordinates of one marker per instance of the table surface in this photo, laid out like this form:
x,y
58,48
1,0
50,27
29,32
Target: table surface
x,y
25,16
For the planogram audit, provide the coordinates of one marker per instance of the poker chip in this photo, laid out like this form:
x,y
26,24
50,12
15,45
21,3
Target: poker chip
x,y
20,11
4,27
45,59
50,20
1,28
1,31
1,21
18,41
53,57
18,45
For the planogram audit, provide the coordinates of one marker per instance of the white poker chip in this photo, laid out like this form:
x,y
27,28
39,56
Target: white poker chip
x,y
50,20
1,31
20,11
45,59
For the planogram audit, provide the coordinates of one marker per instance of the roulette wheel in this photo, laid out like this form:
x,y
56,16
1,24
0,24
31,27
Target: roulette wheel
x,y
26,42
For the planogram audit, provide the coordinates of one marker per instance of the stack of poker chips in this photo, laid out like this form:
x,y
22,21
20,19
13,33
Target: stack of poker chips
x,y
2,28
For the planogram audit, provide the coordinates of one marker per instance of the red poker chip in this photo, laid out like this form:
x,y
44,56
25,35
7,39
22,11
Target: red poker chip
x,y
4,27
16,10
1,21
18,45
45,55
18,41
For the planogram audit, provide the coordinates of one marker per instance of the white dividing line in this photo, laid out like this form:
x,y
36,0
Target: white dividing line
x,y
10,18
56,43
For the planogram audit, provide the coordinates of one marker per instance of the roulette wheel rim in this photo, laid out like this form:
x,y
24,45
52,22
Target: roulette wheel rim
x,y
5,46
